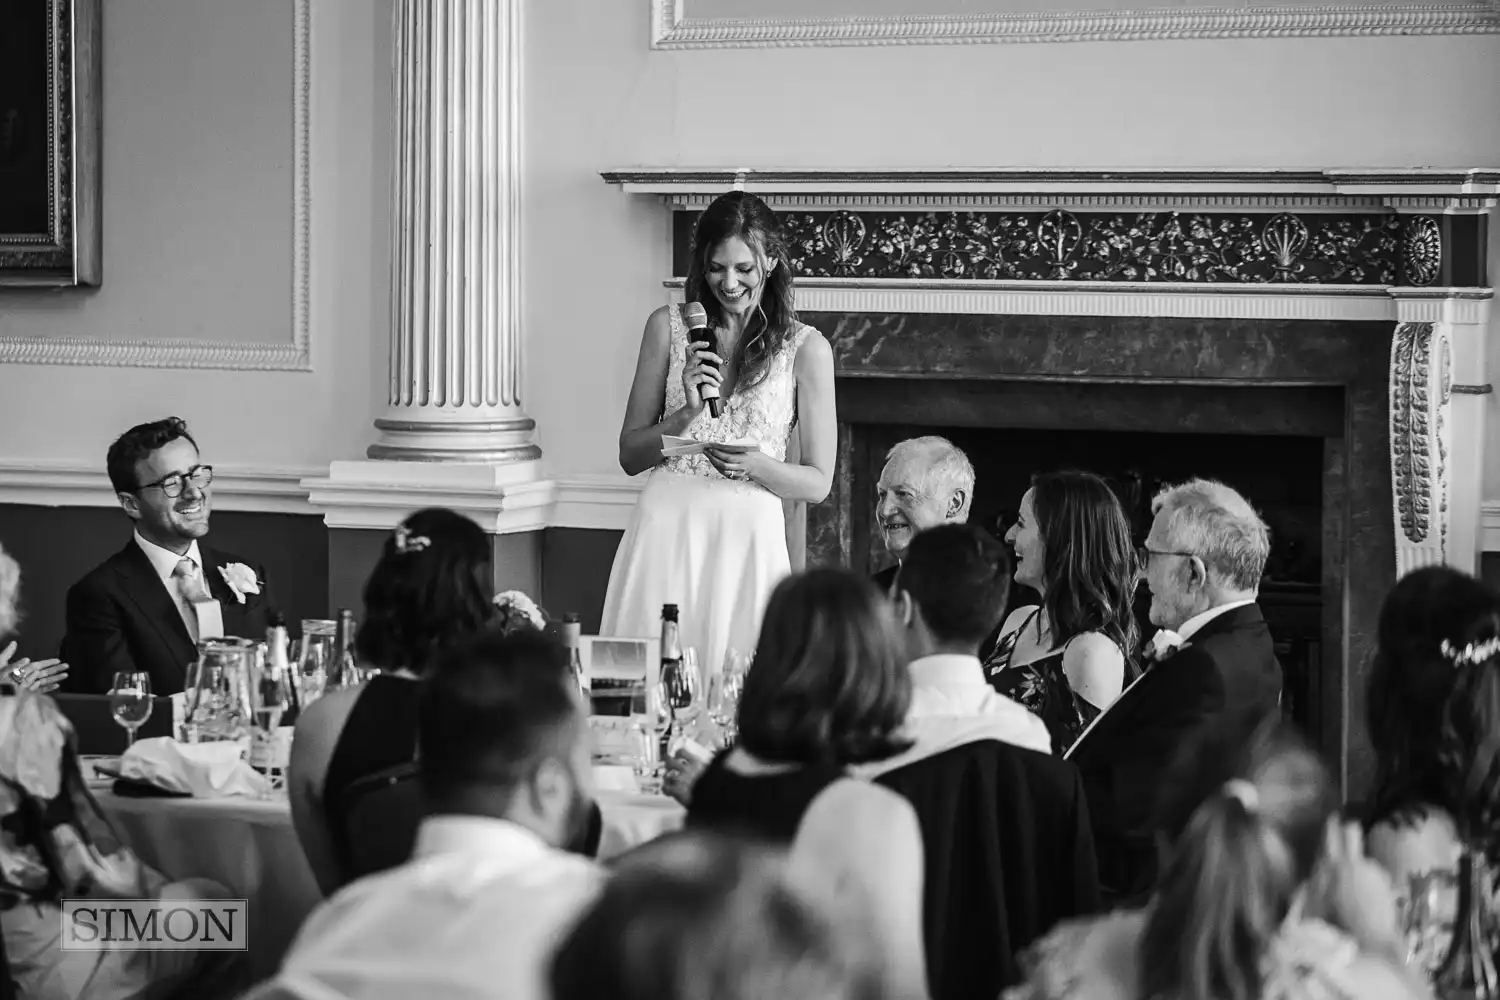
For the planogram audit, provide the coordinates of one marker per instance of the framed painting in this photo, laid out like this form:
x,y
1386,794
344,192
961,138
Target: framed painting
x,y
50,196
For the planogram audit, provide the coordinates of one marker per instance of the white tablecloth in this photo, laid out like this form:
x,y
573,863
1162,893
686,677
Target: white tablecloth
x,y
249,846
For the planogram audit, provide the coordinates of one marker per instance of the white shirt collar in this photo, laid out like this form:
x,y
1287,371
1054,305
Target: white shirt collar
x,y
463,834
949,671
1196,623
165,560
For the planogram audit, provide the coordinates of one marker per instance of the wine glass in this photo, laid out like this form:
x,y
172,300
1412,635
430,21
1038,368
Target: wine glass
x,y
269,693
130,701
724,695
681,689
650,723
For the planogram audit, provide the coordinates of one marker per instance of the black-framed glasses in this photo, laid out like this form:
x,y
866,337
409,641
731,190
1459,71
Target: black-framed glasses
x,y
1144,554
173,485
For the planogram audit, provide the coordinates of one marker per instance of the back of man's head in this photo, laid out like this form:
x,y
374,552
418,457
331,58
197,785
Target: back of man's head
x,y
499,726
958,576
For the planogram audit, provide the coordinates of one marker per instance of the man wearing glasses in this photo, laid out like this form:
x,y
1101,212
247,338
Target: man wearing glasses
x,y
146,608
1203,562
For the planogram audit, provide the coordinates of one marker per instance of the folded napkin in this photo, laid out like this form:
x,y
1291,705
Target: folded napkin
x,y
203,770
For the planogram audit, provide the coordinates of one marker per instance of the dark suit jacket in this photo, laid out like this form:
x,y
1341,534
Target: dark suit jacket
x,y
120,617
1006,836
1225,674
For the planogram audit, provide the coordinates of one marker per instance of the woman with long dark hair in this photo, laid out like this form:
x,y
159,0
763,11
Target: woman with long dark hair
x,y
433,587
1434,716
709,533
1068,659
828,690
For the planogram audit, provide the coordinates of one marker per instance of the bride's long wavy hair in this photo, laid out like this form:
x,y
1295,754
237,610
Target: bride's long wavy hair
x,y
744,216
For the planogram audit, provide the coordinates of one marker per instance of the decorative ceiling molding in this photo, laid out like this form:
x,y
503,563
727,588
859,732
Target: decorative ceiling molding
x,y
1269,188
293,355
672,29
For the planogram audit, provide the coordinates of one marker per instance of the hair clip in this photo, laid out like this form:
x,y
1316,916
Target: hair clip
x,y
1242,791
407,542
1474,652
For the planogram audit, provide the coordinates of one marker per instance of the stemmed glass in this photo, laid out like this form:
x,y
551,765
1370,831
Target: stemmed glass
x,y
269,693
724,695
130,701
681,691
650,722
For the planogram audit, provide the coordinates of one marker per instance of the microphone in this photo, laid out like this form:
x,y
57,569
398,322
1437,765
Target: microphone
x,y
696,318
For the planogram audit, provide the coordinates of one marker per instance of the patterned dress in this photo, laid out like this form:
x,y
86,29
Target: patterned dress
x,y
1042,687
713,546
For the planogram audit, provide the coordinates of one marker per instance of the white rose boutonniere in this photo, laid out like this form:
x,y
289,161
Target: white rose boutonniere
x,y
517,611
1163,644
241,579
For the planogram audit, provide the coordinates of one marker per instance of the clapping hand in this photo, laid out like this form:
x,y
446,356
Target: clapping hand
x,y
681,774
41,676
1351,891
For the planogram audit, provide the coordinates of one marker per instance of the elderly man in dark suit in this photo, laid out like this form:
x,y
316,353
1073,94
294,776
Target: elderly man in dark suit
x,y
148,605
1214,665
927,481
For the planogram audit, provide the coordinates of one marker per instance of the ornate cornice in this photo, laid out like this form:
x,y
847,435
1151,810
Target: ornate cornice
x,y
1059,183
295,355
671,29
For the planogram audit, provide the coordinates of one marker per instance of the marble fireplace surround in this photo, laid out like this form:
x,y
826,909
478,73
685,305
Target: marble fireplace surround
x,y
1346,305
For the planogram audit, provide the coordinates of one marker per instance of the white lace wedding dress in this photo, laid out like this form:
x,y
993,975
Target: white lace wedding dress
x,y
713,546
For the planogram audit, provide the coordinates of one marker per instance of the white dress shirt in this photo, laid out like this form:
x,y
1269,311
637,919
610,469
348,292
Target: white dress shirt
x,y
952,704
477,912
204,620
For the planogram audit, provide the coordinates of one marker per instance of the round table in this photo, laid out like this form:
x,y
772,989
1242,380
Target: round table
x,y
250,847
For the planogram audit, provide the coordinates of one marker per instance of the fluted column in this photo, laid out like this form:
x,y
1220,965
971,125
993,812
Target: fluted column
x,y
455,359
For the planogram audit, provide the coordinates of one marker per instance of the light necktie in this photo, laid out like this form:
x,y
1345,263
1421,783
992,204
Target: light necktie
x,y
193,590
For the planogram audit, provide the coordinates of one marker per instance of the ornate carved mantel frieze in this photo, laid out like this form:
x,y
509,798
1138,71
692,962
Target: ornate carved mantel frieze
x,y
1421,442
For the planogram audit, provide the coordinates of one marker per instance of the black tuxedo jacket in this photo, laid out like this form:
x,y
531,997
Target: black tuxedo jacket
x,y
1226,674
120,617
1008,851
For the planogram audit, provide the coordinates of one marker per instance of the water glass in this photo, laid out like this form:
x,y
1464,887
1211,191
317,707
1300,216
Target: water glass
x,y
130,701
217,689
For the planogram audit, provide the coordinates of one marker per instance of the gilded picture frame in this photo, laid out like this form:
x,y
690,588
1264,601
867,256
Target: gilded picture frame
x,y
51,69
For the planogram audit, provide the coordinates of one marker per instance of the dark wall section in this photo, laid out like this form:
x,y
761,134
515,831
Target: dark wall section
x,y
575,572
1489,568
57,545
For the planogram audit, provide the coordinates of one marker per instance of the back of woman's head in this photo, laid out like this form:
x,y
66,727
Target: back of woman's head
x,y
1434,702
1245,819
829,682
1088,557
695,917
432,587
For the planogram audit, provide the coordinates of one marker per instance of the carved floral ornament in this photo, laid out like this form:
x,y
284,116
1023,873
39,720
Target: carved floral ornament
x,y
1421,392
1059,245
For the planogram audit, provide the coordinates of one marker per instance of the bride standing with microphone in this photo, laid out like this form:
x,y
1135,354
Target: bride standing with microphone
x,y
708,533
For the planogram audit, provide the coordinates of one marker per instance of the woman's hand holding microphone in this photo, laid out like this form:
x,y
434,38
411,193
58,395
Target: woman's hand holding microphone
x,y
702,368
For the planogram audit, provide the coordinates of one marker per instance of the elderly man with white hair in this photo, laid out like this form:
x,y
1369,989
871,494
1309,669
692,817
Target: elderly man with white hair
x,y
1214,665
927,481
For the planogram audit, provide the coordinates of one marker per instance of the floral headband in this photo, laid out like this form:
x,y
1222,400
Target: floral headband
x,y
1474,652
407,542
518,611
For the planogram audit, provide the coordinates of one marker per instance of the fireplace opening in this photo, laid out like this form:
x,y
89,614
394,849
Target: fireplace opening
x,y
1281,474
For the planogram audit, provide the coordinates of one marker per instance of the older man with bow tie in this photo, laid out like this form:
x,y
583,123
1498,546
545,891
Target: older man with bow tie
x,y
1214,666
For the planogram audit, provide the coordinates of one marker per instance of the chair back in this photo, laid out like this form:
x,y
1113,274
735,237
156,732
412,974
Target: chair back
x,y
381,812
1008,853
95,725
